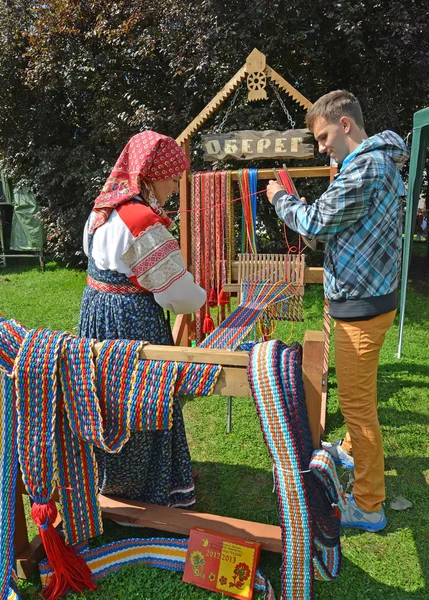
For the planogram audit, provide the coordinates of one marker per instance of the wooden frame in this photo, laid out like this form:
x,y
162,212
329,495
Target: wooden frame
x,y
181,327
232,382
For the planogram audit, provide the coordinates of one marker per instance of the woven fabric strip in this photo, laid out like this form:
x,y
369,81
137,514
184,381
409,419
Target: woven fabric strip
x,y
13,594
12,334
36,385
153,379
8,473
165,553
230,233
210,204
308,491
197,246
197,379
223,184
116,376
113,288
271,400
257,295
77,483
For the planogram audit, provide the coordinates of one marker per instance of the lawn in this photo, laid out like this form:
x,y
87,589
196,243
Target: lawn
x,y
235,471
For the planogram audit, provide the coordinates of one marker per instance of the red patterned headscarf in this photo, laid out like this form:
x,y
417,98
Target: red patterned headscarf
x,y
148,157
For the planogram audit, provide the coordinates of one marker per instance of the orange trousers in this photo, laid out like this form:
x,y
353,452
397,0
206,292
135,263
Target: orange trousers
x,y
357,352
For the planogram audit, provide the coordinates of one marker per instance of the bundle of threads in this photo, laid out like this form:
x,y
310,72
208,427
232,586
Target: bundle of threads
x,y
66,403
247,181
310,497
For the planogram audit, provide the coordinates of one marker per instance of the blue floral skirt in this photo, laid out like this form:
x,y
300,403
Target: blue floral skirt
x,y
153,466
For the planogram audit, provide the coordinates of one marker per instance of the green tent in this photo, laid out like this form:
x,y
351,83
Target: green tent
x,y
419,146
26,229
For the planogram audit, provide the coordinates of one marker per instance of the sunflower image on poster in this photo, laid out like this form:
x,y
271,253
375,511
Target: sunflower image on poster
x,y
235,568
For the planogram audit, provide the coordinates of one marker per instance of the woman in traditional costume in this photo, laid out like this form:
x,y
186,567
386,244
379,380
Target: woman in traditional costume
x,y
135,271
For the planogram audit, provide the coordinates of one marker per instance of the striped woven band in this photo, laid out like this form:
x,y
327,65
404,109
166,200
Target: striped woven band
x,y
165,553
113,288
8,472
309,495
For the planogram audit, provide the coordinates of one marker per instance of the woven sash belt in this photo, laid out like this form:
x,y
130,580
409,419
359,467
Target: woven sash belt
x,y
113,288
308,491
164,553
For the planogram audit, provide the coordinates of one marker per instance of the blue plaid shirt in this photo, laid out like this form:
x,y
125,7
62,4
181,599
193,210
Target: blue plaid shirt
x,y
358,218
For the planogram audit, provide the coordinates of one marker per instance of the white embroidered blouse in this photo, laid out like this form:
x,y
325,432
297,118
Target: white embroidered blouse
x,y
135,242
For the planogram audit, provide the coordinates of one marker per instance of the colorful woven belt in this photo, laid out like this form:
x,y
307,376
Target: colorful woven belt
x,y
164,553
8,471
113,288
309,494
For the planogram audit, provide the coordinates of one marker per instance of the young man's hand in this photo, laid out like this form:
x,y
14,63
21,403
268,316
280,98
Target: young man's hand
x,y
272,188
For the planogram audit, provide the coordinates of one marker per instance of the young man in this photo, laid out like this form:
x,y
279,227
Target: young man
x,y
359,219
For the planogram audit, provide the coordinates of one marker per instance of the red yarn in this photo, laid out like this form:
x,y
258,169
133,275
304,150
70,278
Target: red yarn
x,y
212,298
69,571
208,325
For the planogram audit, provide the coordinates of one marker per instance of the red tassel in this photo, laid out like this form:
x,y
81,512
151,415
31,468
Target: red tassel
x,y
223,298
69,571
208,325
212,298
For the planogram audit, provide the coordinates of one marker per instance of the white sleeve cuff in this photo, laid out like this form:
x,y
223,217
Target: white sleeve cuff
x,y
183,296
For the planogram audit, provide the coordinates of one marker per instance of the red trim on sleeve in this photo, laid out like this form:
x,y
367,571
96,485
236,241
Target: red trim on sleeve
x,y
137,217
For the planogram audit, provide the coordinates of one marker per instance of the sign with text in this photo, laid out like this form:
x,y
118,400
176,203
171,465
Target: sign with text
x,y
245,145
221,563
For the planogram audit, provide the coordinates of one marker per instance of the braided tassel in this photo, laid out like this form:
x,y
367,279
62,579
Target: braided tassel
x,y
208,325
69,571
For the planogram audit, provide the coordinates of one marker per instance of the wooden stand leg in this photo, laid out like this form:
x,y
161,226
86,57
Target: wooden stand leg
x,y
179,328
229,415
312,371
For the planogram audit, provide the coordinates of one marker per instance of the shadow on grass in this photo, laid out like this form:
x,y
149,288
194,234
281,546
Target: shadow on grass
x,y
246,493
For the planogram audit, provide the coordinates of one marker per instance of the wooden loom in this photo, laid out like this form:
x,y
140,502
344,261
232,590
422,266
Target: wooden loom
x,y
256,72
233,379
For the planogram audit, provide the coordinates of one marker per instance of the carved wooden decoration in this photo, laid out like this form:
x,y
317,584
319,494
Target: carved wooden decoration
x,y
257,61
256,78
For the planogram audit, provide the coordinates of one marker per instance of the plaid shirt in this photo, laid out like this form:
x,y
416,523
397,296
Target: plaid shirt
x,y
359,219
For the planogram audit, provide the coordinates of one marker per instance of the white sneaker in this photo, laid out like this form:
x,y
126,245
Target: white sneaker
x,y
339,455
357,517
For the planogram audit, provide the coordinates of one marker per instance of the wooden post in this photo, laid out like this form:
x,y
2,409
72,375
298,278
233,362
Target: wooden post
x,y
312,371
181,329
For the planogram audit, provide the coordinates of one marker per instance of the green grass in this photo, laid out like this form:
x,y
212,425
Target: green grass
x,y
235,471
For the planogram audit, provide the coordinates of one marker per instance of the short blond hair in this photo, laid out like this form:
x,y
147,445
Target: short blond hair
x,y
333,106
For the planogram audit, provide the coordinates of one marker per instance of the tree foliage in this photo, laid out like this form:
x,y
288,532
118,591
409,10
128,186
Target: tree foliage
x,y
79,77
